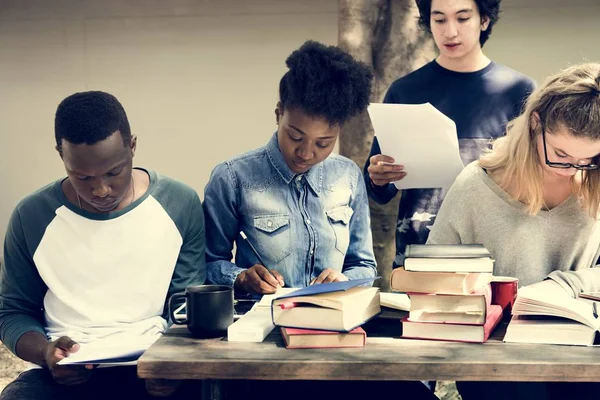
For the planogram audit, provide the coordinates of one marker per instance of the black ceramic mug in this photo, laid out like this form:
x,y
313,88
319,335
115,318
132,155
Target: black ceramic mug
x,y
209,309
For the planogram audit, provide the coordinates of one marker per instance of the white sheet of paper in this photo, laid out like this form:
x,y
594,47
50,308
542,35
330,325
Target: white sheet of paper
x,y
267,299
422,139
105,350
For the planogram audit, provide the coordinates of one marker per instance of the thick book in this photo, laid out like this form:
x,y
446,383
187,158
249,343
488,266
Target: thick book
x,y
338,306
451,308
453,332
437,282
446,251
483,264
308,339
546,317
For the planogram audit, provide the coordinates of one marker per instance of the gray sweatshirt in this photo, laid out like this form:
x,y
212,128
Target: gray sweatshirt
x,y
561,244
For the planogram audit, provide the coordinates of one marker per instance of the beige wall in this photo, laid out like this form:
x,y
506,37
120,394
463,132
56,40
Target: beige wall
x,y
199,78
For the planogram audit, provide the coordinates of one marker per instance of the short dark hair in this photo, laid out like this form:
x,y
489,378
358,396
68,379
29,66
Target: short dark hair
x,y
90,117
487,8
324,81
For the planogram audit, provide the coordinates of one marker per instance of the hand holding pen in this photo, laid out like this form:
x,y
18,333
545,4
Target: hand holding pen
x,y
258,278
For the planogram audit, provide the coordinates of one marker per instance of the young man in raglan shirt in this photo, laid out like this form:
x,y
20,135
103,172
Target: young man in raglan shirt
x,y
479,95
93,256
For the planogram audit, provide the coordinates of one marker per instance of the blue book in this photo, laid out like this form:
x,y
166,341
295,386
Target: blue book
x,y
328,287
337,306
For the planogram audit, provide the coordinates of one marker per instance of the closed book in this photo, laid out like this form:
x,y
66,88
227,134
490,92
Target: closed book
x,y
446,251
483,264
316,307
550,316
453,332
307,338
437,282
451,308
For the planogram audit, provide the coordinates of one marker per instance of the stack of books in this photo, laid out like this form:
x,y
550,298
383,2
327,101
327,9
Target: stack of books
x,y
450,292
326,315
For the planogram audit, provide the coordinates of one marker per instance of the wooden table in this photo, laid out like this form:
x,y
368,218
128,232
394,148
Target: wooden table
x,y
178,356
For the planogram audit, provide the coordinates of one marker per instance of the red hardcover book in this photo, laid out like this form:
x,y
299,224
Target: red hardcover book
x,y
453,332
295,338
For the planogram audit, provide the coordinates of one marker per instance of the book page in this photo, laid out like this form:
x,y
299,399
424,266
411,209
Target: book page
x,y
422,139
398,301
551,301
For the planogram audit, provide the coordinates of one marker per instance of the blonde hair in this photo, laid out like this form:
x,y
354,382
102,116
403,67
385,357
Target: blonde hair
x,y
569,99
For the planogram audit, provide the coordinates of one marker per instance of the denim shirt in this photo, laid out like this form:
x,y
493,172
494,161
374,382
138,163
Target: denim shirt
x,y
300,224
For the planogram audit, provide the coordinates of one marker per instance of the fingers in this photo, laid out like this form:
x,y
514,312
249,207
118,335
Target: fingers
x,y
259,282
382,170
377,158
67,344
279,277
321,277
329,275
70,374
388,177
266,276
162,387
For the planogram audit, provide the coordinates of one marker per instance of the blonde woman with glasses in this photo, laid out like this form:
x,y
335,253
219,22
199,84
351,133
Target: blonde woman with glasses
x,y
533,201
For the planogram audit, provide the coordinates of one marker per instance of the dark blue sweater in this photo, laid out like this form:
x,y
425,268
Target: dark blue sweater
x,y
480,103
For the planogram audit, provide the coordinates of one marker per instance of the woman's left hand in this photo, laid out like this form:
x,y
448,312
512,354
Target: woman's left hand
x,y
329,275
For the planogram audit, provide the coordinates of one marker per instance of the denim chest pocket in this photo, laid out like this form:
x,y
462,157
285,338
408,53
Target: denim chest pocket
x,y
339,219
274,236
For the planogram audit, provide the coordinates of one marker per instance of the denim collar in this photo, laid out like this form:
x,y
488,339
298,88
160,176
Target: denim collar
x,y
314,176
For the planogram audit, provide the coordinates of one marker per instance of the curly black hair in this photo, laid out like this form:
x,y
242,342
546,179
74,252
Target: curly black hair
x,y
90,117
487,8
325,82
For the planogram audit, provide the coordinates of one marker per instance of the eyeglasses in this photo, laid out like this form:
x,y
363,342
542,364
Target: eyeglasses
x,y
552,164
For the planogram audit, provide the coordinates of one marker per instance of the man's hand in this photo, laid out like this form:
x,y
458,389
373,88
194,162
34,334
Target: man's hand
x,y
257,279
329,275
382,170
65,374
162,387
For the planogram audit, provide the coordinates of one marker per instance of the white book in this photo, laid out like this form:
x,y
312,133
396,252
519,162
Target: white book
x,y
256,324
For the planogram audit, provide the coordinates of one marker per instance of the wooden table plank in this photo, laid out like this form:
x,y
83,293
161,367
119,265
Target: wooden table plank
x,y
178,356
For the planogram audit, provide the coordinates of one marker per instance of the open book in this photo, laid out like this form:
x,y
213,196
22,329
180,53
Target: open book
x,y
546,316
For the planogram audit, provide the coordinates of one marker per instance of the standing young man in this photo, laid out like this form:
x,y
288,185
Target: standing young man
x,y
479,95
94,256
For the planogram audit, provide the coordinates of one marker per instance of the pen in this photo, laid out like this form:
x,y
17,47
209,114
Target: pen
x,y
243,235
595,310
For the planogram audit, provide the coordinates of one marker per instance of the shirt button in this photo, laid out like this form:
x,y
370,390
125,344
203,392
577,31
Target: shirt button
x,y
312,252
269,223
299,178
308,221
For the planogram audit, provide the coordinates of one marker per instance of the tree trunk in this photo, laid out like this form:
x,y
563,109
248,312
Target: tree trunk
x,y
383,34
